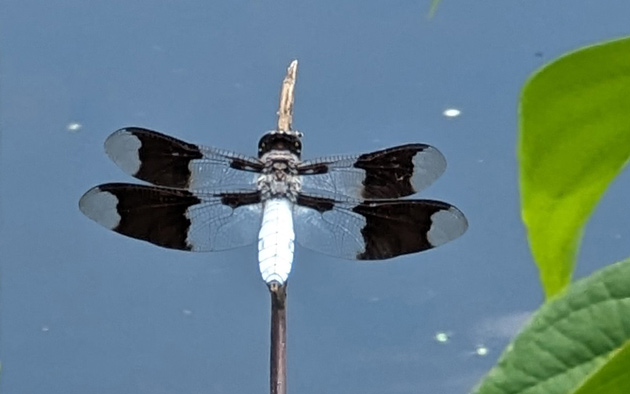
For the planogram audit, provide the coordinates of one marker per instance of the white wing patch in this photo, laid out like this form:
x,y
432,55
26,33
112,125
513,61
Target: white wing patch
x,y
100,206
123,147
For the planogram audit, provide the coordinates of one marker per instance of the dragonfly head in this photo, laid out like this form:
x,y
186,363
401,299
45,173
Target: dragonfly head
x,y
281,140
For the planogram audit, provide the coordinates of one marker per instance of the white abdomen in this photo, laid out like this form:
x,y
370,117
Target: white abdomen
x,y
276,240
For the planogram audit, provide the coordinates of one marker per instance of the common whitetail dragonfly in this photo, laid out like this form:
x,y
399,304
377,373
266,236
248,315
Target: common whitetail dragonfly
x,y
208,199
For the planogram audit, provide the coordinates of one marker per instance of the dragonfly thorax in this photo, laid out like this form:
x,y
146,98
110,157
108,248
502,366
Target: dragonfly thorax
x,y
279,178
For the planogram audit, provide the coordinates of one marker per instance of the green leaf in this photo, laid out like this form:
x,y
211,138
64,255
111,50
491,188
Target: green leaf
x,y
613,377
574,140
578,335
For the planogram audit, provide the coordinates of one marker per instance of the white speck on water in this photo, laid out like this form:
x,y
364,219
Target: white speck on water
x,y
74,126
45,329
451,112
481,351
442,337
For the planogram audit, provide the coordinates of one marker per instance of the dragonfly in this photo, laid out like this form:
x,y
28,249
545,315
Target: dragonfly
x,y
205,199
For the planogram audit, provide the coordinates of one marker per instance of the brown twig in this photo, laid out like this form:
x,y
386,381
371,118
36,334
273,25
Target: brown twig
x,y
285,111
278,353
278,356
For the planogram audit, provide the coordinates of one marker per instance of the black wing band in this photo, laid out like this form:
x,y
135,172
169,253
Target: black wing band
x,y
390,173
166,161
174,218
375,230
